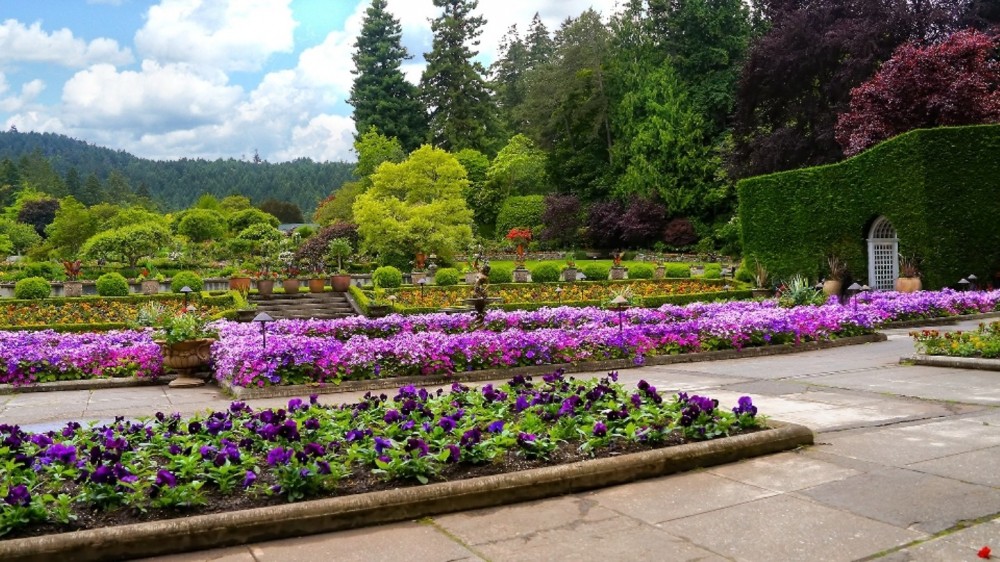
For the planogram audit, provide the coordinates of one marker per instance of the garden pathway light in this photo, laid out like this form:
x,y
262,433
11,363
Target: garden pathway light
x,y
263,318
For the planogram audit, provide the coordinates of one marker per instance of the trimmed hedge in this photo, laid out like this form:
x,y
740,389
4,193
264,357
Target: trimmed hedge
x,y
545,273
446,276
595,271
676,270
187,279
521,210
501,274
112,285
938,188
32,288
640,271
387,277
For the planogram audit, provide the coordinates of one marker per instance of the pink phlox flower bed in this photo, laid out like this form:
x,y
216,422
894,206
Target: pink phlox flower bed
x,y
45,356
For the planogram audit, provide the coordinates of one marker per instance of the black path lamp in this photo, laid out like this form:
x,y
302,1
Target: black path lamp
x,y
263,318
185,290
963,284
972,281
620,303
422,283
559,291
852,293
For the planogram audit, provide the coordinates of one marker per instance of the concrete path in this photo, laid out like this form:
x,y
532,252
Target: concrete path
x,y
906,467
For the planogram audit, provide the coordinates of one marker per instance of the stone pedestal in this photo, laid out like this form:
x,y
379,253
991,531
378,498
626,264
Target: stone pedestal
x,y
521,275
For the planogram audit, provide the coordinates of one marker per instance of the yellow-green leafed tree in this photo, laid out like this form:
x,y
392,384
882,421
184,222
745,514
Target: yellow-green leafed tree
x,y
416,205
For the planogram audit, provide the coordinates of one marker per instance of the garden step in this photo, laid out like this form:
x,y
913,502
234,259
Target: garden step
x,y
327,305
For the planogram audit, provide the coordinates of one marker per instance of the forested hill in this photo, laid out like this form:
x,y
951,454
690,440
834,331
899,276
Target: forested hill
x,y
176,184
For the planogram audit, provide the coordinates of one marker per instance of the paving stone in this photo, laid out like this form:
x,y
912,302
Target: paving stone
x,y
784,472
788,528
618,538
482,526
902,446
391,543
768,387
673,497
232,554
932,383
909,499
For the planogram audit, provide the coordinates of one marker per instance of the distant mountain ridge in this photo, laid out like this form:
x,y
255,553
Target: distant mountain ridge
x,y
177,184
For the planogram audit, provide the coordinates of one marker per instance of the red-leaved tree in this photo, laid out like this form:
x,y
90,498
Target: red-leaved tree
x,y
955,82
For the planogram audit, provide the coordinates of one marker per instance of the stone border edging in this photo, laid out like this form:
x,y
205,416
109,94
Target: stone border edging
x,y
941,321
952,362
347,512
246,393
86,384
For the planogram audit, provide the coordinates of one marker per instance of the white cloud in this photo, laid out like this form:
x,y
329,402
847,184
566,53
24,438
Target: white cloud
x,y
325,137
230,35
29,92
158,98
20,43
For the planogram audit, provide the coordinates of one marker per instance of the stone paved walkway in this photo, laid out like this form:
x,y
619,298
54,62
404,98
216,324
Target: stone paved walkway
x,y
906,466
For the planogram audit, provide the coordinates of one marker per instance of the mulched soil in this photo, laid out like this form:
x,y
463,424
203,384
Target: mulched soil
x,y
359,482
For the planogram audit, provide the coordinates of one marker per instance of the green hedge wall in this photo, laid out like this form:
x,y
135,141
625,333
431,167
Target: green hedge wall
x,y
940,189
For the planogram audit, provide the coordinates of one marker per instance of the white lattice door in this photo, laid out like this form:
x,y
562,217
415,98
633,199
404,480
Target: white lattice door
x,y
883,255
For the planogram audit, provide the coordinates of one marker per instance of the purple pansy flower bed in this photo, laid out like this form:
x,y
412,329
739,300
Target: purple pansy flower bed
x,y
45,356
83,476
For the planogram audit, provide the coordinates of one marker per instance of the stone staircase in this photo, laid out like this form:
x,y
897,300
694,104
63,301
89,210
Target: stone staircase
x,y
323,306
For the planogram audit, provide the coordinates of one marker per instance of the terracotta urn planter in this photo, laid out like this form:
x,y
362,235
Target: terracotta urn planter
x,y
150,287
291,286
317,285
72,289
186,357
832,286
341,283
241,284
908,284
265,287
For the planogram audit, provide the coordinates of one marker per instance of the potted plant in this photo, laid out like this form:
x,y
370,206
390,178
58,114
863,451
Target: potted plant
x,y
909,275
338,249
184,337
617,270
240,279
520,236
838,269
290,272
661,269
569,272
72,288
760,279
380,304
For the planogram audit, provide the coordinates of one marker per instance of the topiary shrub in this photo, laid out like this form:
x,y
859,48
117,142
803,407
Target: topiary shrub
x,y
446,276
743,273
387,277
675,269
112,285
545,273
640,271
713,271
596,271
32,288
501,274
188,279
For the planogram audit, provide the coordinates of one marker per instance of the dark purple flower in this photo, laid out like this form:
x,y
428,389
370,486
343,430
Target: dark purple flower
x,y
415,444
174,449
643,385
123,473
18,496
408,425
311,424
636,399
314,398
392,416
294,404
279,455
249,479
569,405
237,407
207,451
103,475
521,404
269,432
194,427
600,430
41,440
447,424
745,406
381,444
323,467
165,478
314,449
471,437
289,430
65,454
495,427
454,453
523,438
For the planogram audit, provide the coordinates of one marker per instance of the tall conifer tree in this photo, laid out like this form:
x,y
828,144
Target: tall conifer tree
x,y
381,96
462,114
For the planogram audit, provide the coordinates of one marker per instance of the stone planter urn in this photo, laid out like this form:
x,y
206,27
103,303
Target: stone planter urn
x,y
241,284
416,276
832,286
471,277
660,272
908,284
521,275
186,357
150,287
760,293
569,274
618,272
72,289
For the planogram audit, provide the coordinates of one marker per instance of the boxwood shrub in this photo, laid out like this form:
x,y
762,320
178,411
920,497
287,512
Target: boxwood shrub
x,y
595,271
112,285
32,288
387,277
640,271
446,276
676,269
501,274
545,273
187,279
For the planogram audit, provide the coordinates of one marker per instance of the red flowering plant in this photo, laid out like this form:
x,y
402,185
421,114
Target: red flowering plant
x,y
73,268
520,236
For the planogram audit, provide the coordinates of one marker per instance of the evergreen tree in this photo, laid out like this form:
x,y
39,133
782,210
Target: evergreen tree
x,y
381,96
74,185
538,43
118,190
508,75
462,114
92,191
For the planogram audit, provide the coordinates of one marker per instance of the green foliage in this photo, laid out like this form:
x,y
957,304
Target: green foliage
x,y
200,225
43,269
936,186
374,148
676,270
596,271
520,211
6,246
713,271
446,276
338,249
22,236
387,277
186,278
501,274
798,291
338,207
32,288
240,220
128,244
418,204
545,273
73,225
260,235
640,271
112,285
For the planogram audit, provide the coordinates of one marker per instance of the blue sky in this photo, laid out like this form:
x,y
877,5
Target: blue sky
x,y
211,78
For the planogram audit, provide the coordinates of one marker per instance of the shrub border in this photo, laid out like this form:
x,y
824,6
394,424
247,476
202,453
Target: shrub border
x,y
347,512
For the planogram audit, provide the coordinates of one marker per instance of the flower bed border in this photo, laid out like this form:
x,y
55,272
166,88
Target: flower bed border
x,y
247,393
87,384
951,362
347,512
937,321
